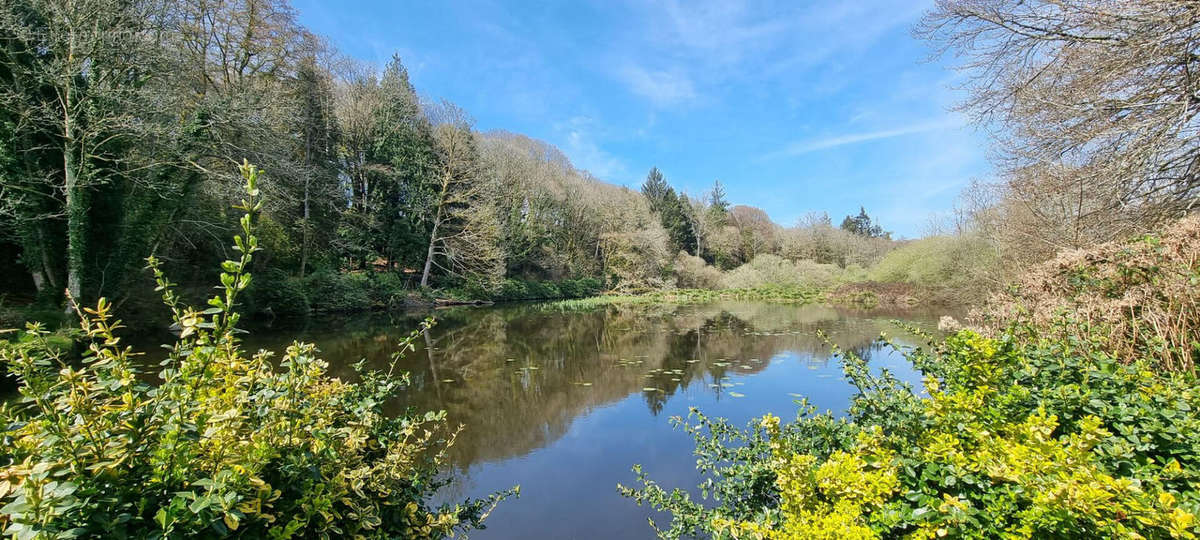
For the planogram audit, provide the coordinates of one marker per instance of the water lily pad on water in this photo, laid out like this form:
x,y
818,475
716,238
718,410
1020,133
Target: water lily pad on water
x,y
447,380
737,394
649,389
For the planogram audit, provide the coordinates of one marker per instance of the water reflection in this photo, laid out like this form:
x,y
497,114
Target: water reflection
x,y
564,402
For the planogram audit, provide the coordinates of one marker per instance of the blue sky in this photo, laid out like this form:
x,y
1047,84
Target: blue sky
x,y
795,106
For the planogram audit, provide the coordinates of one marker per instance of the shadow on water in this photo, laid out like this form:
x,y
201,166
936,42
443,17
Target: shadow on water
x,y
564,403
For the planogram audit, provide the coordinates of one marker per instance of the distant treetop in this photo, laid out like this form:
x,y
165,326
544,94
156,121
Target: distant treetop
x,y
863,225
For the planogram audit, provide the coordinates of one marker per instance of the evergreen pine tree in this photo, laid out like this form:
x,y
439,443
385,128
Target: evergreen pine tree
x,y
863,225
655,189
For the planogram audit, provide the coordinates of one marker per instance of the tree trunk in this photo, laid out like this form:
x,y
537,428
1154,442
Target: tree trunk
x,y
43,270
76,228
307,184
76,209
305,237
432,242
39,281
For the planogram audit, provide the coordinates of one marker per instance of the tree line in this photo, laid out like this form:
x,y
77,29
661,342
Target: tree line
x,y
124,123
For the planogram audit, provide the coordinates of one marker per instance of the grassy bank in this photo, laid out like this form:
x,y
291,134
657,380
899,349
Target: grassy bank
x,y
694,296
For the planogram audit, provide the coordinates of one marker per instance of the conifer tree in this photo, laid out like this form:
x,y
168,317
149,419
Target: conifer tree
x,y
655,189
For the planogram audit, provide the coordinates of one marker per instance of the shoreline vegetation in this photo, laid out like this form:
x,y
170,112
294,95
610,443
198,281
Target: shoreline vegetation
x,y
1070,411
226,442
1065,406
379,197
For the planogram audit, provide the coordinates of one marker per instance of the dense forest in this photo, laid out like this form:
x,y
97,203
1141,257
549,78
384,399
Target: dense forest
x,y
124,124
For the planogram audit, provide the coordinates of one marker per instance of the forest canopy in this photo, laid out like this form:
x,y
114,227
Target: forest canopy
x,y
124,122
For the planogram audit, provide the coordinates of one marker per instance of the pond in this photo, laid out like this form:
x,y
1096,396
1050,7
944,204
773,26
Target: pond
x,y
565,402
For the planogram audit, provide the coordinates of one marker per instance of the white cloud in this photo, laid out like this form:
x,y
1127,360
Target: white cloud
x,y
804,147
660,87
696,47
581,148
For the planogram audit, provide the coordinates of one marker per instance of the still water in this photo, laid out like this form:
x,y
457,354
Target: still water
x,y
565,402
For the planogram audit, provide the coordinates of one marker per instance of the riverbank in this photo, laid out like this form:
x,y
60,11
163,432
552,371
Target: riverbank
x,y
859,295
278,298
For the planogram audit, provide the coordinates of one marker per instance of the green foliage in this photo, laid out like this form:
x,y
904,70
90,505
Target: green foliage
x,y
718,206
1018,438
580,288
226,444
775,271
655,189
692,272
674,211
863,225
335,292
512,290
277,294
797,295
938,261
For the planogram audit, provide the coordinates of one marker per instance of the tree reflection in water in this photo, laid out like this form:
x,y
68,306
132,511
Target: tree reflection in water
x,y
517,376
564,403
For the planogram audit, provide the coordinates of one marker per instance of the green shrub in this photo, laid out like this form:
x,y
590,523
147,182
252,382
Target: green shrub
x,y
276,293
47,313
958,262
589,286
512,290
692,272
387,289
570,289
766,271
335,292
1018,439
226,444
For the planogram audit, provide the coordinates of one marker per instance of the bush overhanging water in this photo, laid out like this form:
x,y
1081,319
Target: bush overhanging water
x,y
226,444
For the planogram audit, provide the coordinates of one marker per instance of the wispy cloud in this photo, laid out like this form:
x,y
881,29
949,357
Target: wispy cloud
x,y
698,47
660,87
579,144
813,145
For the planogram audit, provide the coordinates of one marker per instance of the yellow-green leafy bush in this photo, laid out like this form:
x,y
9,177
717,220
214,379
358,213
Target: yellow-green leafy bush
x,y
225,443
